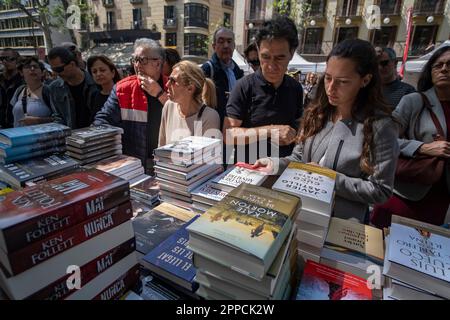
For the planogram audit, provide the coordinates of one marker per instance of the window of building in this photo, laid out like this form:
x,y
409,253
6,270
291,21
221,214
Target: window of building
x,y
256,10
196,15
384,37
390,7
345,33
227,19
195,44
169,12
110,20
316,8
137,18
349,8
429,6
171,39
423,37
312,41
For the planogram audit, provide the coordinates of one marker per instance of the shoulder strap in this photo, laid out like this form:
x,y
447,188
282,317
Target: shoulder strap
x,y
200,112
211,73
427,105
24,100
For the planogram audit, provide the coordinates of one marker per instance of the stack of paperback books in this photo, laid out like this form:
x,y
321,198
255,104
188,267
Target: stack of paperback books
x,y
206,196
237,174
123,166
94,143
41,168
314,185
243,246
28,142
71,238
145,191
184,165
417,261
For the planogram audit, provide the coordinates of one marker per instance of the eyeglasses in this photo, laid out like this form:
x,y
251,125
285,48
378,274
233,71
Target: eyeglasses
x,y
59,69
31,66
143,60
439,65
9,59
254,62
384,63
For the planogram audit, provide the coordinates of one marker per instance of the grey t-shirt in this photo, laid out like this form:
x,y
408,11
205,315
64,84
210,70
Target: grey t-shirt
x,y
35,107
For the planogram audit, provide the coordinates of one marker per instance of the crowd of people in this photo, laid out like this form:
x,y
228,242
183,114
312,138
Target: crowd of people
x,y
358,118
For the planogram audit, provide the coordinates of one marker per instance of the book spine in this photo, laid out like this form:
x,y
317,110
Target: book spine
x,y
68,214
59,290
43,250
36,153
120,286
39,137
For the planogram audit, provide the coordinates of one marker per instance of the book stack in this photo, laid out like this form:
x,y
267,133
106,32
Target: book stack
x,y
314,185
243,245
353,247
123,166
23,143
71,238
417,261
237,174
94,143
184,165
41,168
206,196
321,282
145,191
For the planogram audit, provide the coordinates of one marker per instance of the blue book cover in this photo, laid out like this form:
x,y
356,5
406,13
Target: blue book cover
x,y
32,134
7,151
172,259
33,154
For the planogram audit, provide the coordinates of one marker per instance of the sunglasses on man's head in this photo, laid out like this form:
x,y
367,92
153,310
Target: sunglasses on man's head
x,y
6,58
384,63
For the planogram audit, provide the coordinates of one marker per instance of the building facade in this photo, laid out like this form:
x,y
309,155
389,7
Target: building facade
x,y
382,22
183,25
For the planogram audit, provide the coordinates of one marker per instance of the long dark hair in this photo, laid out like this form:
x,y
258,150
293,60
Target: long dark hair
x,y
369,105
105,60
425,81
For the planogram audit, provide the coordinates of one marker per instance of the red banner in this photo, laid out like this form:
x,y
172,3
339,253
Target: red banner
x,y
408,39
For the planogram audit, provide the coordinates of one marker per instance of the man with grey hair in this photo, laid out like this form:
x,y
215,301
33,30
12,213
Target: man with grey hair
x,y
136,102
222,69
393,88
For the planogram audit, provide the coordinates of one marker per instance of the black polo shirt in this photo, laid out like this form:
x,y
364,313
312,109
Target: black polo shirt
x,y
257,103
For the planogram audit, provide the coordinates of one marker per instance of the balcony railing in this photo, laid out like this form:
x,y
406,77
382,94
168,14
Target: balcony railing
x,y
170,23
136,1
312,48
228,3
348,9
136,24
108,3
391,8
424,7
195,22
317,8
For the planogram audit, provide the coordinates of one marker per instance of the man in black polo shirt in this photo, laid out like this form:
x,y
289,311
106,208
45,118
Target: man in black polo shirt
x,y
264,107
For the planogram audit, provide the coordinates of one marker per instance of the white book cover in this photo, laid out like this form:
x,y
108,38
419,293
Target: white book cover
x,y
420,250
189,145
236,175
314,185
207,191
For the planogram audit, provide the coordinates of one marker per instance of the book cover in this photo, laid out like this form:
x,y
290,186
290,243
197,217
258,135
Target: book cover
x,y
251,219
118,164
120,286
94,133
94,153
81,146
44,249
148,187
36,212
320,282
42,152
33,134
153,226
313,184
190,147
7,151
354,238
35,169
421,250
207,191
173,257
59,290
236,175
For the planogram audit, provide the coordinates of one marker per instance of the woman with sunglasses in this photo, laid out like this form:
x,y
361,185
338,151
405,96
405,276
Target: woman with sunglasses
x,y
421,136
31,101
189,111
348,128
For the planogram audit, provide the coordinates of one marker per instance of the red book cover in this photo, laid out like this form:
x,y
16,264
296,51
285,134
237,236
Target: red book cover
x,y
58,290
320,282
45,249
120,286
36,212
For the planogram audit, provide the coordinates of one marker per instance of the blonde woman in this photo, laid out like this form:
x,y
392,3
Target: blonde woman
x,y
189,110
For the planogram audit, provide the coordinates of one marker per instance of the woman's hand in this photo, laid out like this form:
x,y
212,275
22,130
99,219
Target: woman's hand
x,y
436,149
265,165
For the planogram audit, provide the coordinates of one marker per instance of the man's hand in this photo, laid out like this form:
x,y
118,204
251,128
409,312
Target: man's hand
x,y
149,85
436,149
284,135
